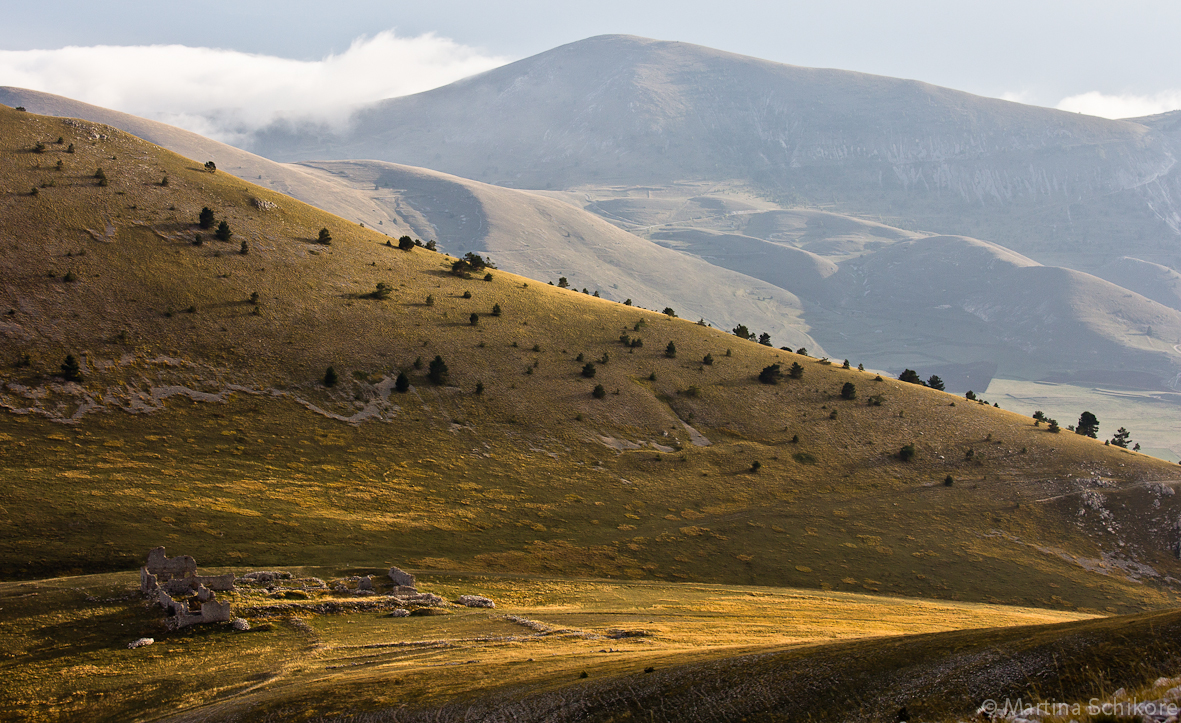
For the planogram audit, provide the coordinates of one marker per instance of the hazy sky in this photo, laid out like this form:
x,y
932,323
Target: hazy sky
x,y
296,56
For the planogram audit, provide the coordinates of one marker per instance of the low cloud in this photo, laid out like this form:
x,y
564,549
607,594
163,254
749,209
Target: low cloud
x,y
226,94
1122,106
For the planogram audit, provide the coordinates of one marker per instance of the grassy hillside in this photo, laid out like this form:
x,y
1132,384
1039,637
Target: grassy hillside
x,y
202,420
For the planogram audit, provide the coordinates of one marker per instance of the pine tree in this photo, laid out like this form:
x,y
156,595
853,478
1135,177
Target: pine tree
x,y
589,370
223,232
708,360
1088,425
1121,438
402,384
438,373
599,392
765,339
406,243
205,219
330,377
71,372
324,238
848,391
496,310
796,371
935,382
670,351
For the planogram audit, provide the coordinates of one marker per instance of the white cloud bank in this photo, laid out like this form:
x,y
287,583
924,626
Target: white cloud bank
x,y
225,94
1122,106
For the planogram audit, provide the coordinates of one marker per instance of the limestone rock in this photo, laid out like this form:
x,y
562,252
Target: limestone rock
x,y
140,642
475,601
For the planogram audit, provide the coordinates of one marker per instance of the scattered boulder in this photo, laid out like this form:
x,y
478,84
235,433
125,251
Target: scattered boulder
x,y
140,642
399,613
423,599
402,578
264,576
365,583
240,624
475,601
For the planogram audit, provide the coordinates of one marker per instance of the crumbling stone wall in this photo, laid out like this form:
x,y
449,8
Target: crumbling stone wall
x,y
166,577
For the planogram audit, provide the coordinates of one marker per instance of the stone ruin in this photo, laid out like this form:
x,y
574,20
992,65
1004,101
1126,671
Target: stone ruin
x,y
404,581
166,577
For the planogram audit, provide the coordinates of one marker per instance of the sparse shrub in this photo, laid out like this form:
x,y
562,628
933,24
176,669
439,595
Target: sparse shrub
x,y
755,466
625,339
496,310
205,218
71,371
668,311
191,310
402,383
60,166
605,358
211,166
969,453
479,387
876,400
627,302
804,457
35,191
467,294
70,149
438,373
878,378
38,147
406,243
330,377
729,352
164,181
948,481
845,365
970,395
770,374
223,232
253,297
907,453
795,439
474,319
488,276
599,392
588,370
430,300
537,347
102,177
860,367
244,249
636,343
670,351
832,414
580,357
418,363
796,371
848,391
802,351
324,237
708,360
693,391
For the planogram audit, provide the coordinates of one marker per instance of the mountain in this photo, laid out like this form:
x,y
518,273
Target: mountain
x,y
529,234
627,111
205,364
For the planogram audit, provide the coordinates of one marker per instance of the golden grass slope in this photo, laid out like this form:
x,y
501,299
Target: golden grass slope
x,y
247,458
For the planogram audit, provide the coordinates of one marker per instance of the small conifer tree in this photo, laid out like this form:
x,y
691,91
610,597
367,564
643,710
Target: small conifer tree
x,y
588,370
438,373
324,238
402,383
71,371
670,351
496,310
849,391
223,232
205,218
330,377
599,392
